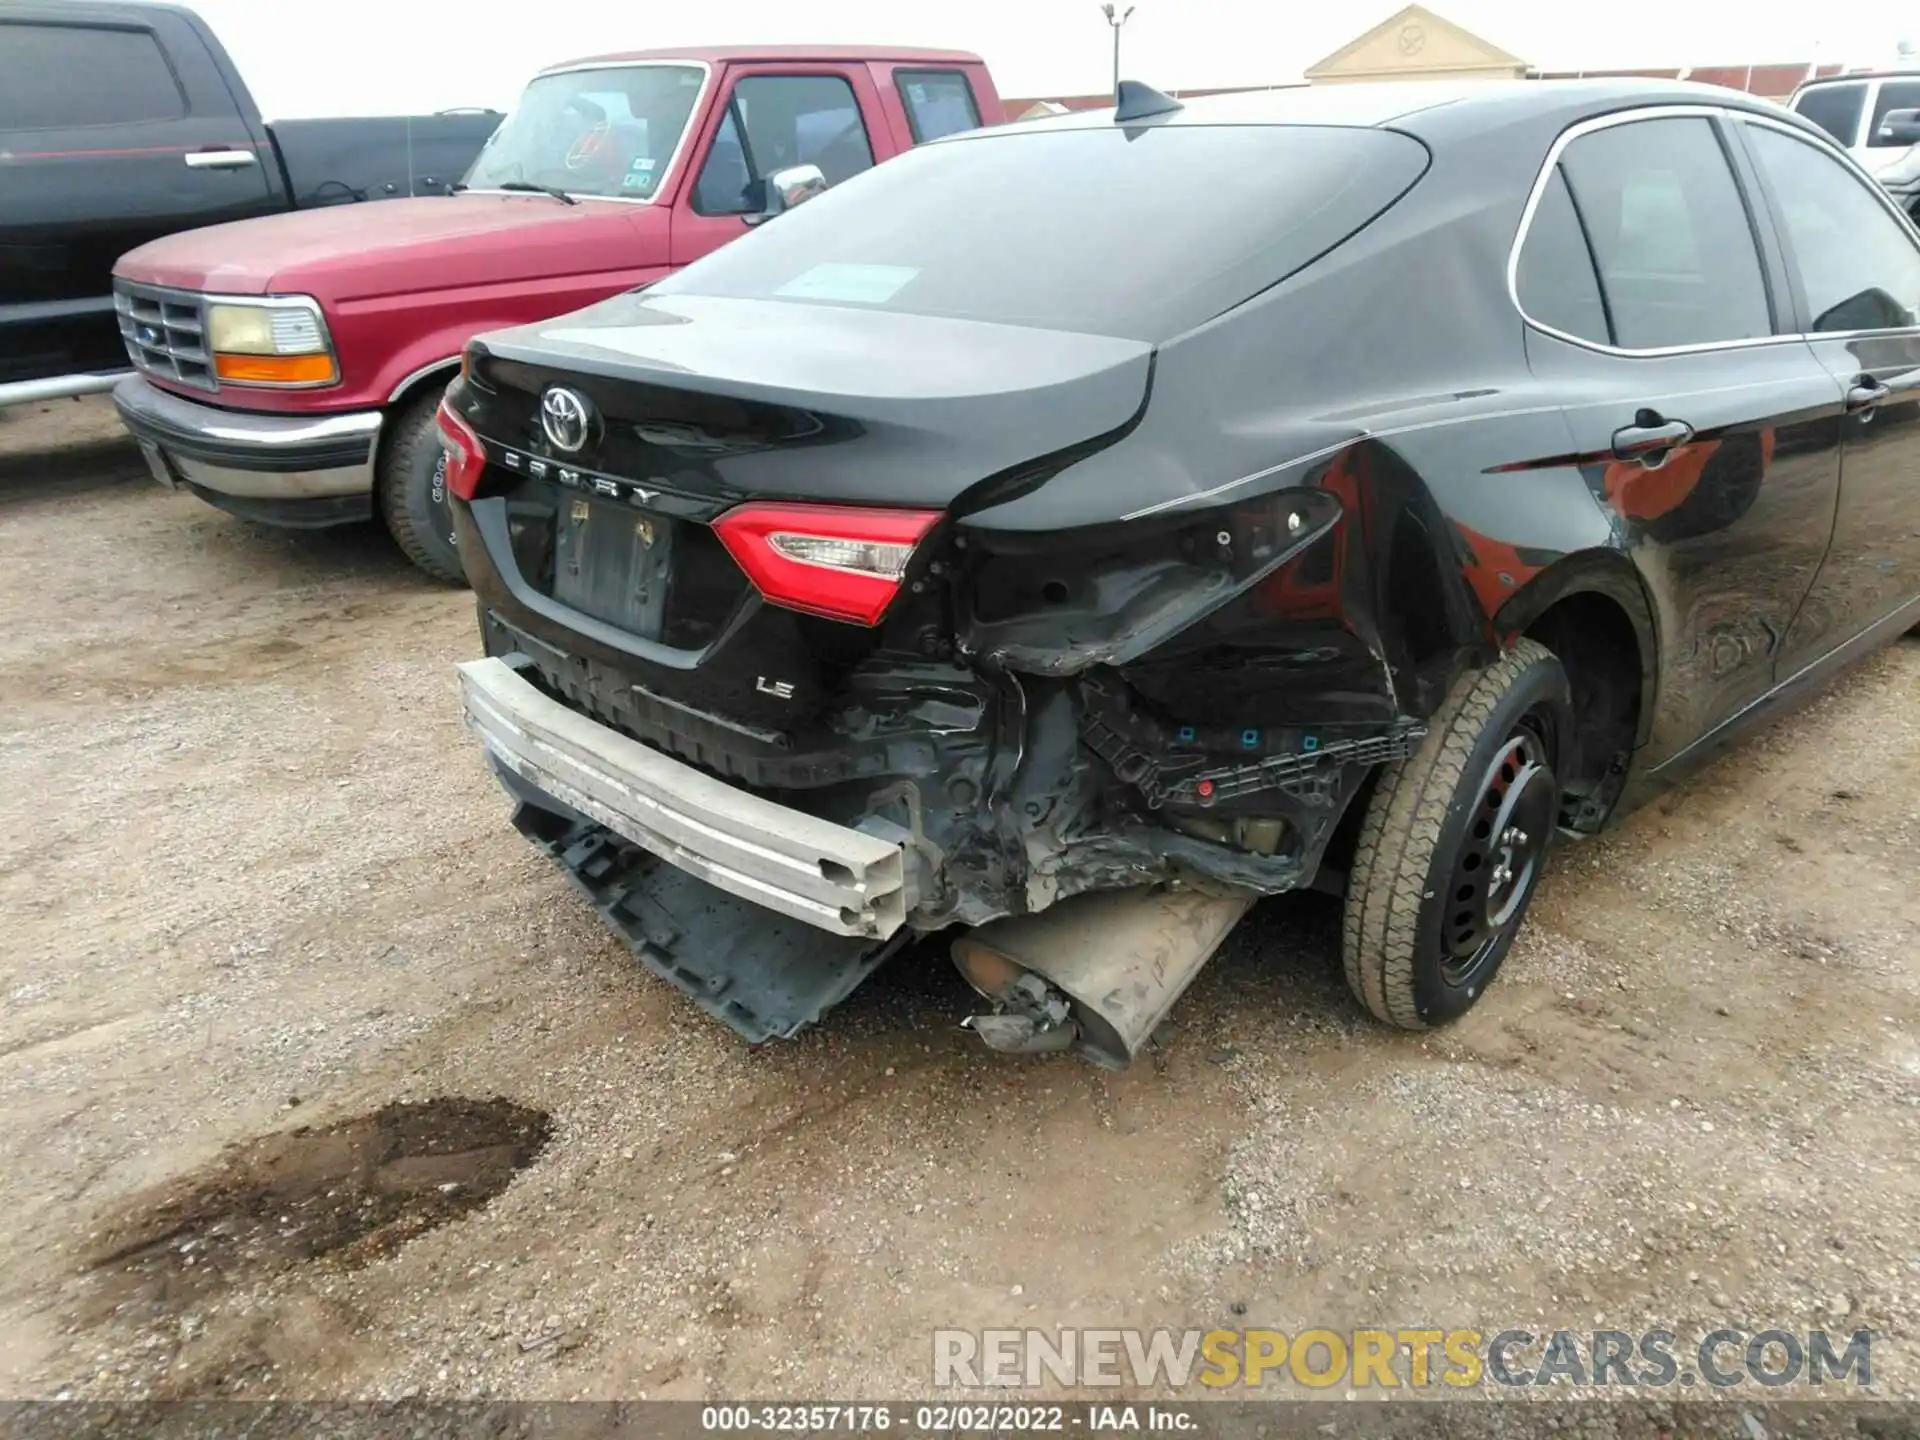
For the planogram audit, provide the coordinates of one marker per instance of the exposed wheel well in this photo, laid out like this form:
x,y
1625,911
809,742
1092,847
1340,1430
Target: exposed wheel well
x,y
1595,642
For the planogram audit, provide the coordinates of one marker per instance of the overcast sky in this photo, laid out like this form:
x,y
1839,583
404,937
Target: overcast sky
x,y
369,57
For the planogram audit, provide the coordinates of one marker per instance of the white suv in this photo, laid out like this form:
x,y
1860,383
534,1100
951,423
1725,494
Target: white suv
x,y
1854,109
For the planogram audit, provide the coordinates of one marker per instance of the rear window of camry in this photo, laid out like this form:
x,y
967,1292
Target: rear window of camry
x,y
1138,234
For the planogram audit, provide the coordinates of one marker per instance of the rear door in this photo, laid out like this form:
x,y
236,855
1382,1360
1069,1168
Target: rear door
x,y
769,118
1854,266
115,128
1705,426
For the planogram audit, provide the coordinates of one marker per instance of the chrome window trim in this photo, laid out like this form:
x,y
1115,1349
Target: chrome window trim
x,y
1545,176
705,67
1819,140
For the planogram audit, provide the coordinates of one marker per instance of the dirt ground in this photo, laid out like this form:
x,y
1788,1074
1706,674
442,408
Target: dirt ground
x,y
254,877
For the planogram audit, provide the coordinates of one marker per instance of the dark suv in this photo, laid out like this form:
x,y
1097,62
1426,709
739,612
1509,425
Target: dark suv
x,y
1073,531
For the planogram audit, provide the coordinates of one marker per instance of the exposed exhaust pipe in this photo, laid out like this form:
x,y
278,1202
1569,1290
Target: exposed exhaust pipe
x,y
1096,973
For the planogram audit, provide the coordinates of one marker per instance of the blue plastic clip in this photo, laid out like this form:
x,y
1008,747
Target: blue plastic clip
x,y
1249,739
1309,742
1186,734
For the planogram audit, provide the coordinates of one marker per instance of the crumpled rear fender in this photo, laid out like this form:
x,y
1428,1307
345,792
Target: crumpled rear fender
x,y
1061,604
1339,593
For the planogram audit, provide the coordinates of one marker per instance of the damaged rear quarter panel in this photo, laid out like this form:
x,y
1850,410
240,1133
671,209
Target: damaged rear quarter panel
x,y
1409,544
1389,379
1382,395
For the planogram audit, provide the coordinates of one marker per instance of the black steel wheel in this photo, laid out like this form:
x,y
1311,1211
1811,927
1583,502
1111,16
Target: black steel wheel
x,y
1501,852
1454,842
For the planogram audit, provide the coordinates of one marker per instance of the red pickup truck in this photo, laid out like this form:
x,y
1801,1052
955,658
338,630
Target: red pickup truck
x,y
288,367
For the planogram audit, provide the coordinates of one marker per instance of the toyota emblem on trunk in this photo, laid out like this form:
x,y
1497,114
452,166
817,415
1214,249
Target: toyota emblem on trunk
x,y
567,417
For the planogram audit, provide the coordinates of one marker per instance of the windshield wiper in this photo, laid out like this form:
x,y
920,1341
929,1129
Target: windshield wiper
x,y
527,185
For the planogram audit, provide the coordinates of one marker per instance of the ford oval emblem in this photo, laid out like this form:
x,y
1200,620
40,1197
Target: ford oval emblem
x,y
567,416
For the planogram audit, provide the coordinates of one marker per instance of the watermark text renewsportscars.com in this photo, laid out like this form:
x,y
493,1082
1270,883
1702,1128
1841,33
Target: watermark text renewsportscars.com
x,y
1380,1360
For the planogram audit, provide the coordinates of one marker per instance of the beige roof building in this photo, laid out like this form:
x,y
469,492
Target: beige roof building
x,y
1416,44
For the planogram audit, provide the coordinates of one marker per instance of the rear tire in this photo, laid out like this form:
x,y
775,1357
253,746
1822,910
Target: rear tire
x,y
411,488
1453,842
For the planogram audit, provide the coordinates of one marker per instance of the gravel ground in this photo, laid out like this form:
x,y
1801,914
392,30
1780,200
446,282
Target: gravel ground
x,y
254,876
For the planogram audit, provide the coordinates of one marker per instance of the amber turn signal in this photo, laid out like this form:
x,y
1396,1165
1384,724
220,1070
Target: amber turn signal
x,y
276,369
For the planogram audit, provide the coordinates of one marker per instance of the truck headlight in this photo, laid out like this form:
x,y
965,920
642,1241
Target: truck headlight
x,y
281,341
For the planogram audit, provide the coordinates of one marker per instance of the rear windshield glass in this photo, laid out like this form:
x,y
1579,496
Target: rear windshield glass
x,y
1140,235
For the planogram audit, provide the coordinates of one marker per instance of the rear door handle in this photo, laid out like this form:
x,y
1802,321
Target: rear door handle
x,y
220,159
1865,393
1650,437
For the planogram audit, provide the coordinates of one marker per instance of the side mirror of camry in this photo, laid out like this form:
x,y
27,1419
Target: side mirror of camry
x,y
1899,127
788,188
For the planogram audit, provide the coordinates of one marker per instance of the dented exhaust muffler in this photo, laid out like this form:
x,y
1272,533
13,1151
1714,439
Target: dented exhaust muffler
x,y
1094,974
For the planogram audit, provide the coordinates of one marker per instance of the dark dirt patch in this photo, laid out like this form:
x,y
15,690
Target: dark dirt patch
x,y
353,1190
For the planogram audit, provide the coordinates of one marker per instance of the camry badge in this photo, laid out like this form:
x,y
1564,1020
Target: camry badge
x,y
567,416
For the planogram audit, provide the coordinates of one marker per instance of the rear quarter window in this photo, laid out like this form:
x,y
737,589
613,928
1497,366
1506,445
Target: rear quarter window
x,y
66,77
1140,233
937,102
1671,242
1555,281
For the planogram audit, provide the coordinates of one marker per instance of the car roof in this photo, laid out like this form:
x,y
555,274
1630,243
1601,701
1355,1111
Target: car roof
x,y
1492,102
812,54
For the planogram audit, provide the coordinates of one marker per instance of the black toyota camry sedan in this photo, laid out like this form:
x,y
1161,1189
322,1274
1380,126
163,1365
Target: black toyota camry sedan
x,y
1069,532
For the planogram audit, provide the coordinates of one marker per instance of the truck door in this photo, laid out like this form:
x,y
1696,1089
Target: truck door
x,y
768,118
115,128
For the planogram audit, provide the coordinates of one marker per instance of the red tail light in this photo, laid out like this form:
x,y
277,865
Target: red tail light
x,y
466,456
840,561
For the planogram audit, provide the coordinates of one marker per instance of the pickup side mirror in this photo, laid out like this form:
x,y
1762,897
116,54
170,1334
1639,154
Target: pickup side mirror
x,y
1899,127
787,188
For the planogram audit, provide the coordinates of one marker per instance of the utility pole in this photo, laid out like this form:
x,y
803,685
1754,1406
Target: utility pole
x,y
1115,19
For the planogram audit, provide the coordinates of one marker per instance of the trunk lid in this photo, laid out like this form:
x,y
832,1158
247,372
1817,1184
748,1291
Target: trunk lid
x,y
607,553
737,399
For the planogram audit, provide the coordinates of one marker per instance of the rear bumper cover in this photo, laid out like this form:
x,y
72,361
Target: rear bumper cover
x,y
837,879
280,469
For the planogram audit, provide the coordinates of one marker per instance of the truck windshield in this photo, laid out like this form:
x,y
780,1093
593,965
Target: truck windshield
x,y
607,131
1139,234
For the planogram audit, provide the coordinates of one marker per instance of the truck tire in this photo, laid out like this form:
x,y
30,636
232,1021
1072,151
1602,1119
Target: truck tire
x,y
1453,841
411,486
